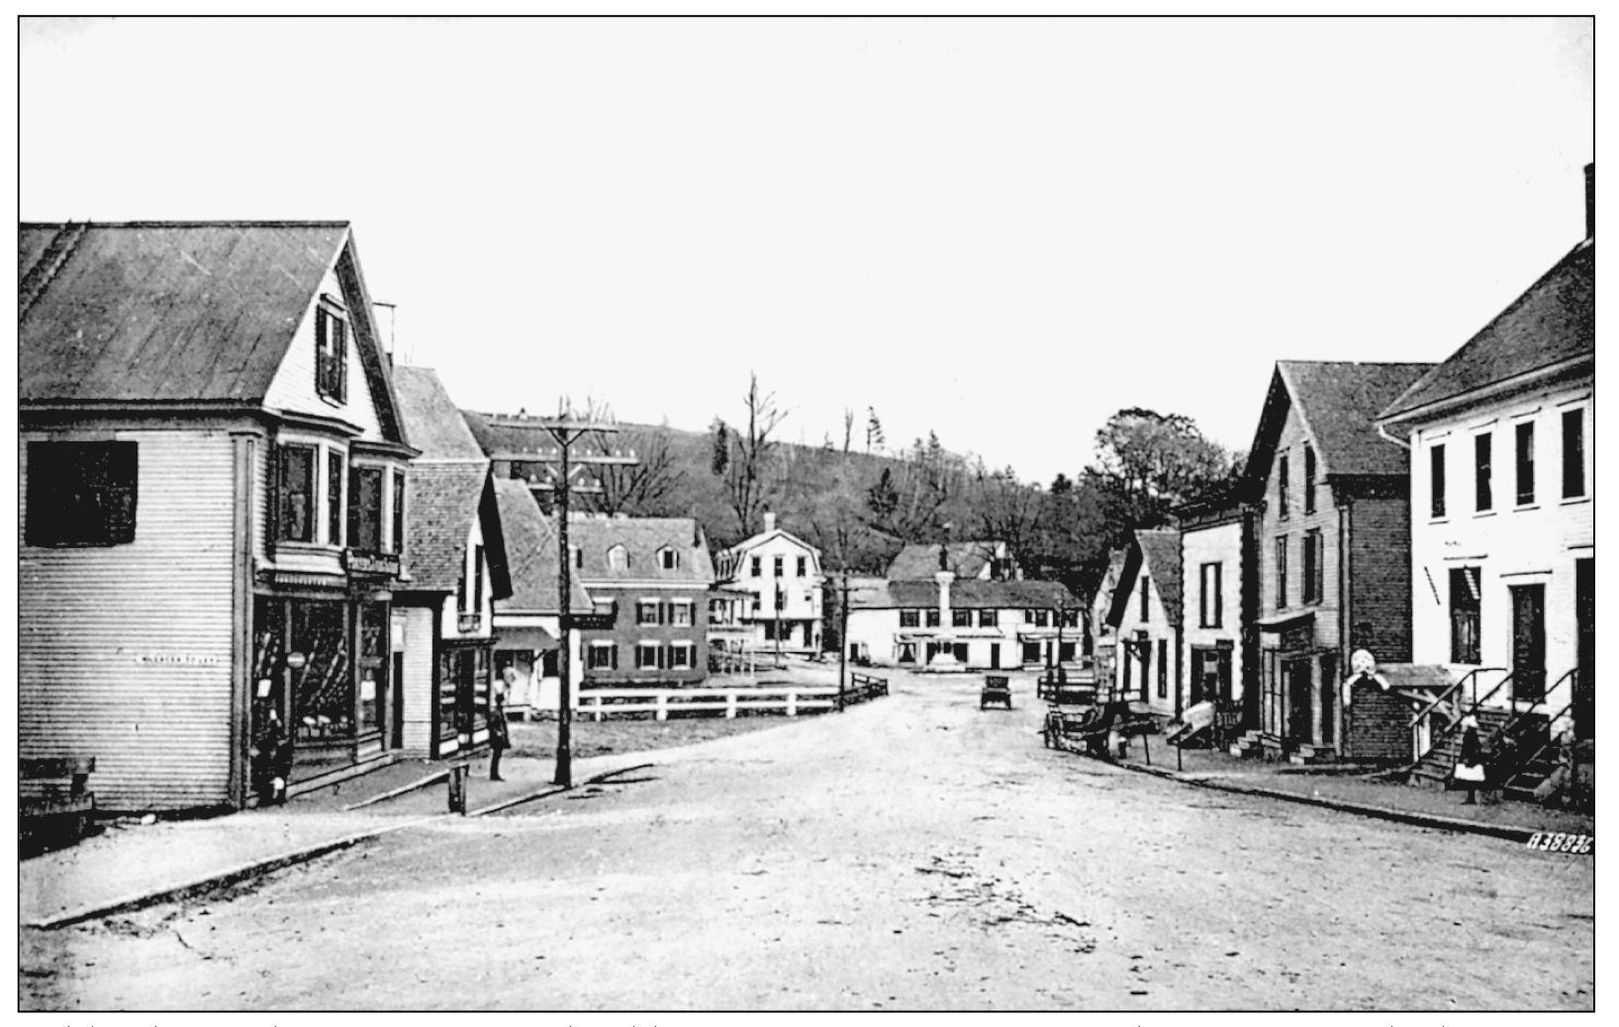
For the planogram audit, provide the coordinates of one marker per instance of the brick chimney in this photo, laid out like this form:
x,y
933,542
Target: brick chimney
x,y
1591,200
770,520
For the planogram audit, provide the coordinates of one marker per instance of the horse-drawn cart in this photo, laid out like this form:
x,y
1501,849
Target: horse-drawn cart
x,y
997,689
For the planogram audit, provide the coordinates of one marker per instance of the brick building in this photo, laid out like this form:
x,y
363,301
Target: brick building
x,y
1333,544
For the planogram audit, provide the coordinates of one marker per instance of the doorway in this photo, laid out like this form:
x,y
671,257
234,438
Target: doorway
x,y
1528,642
1298,681
994,656
1585,603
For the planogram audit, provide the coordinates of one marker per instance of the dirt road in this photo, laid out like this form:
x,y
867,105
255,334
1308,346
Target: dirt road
x,y
914,853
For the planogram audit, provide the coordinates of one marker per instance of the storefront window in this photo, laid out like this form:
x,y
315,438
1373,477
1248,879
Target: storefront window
x,y
365,509
322,687
373,667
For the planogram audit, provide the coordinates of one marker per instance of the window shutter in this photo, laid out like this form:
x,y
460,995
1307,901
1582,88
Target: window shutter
x,y
341,356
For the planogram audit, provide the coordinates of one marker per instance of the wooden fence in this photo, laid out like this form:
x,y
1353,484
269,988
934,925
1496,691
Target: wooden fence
x,y
787,700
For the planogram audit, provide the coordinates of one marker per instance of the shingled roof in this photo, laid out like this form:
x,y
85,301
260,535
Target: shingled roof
x,y
641,537
1338,402
919,561
442,501
508,439
178,312
531,546
971,593
1159,552
435,423
1554,321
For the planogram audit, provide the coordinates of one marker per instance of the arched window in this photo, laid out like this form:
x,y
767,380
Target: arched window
x,y
618,558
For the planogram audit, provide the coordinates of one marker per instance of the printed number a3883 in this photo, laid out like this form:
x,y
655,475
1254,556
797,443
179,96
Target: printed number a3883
x,y
1558,841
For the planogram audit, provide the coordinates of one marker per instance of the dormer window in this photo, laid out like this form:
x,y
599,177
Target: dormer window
x,y
331,351
618,558
578,556
668,559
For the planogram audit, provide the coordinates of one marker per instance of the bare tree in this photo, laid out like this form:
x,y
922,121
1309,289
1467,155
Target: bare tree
x,y
749,452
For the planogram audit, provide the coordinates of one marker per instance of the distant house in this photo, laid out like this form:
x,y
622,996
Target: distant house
x,y
950,624
656,573
1146,616
1333,541
212,466
455,557
780,577
1503,502
983,560
528,632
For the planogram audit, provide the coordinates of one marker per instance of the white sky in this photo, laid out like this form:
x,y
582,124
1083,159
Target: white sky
x,y
1002,230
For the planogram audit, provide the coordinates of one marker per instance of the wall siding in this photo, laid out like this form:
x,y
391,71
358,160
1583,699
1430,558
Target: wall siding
x,y
1380,575
1220,544
124,652
293,387
418,695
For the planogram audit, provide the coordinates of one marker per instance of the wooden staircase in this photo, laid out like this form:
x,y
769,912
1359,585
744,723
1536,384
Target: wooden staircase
x,y
1248,745
1435,766
1309,754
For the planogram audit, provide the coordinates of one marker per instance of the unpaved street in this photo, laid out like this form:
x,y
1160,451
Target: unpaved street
x,y
912,853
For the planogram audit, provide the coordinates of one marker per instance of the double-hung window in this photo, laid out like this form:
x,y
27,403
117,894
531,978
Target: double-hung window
x,y
1464,615
1524,453
331,351
1281,573
1283,499
335,461
1208,596
601,656
1483,496
680,612
961,618
81,493
646,655
1309,479
1574,453
986,618
646,611
1436,481
910,618
932,617
1313,583
365,508
399,512
295,485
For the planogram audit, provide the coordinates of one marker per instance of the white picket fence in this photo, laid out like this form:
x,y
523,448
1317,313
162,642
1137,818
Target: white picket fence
x,y
790,700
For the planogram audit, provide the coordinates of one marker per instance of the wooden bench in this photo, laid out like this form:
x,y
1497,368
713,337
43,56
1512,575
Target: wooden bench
x,y
54,797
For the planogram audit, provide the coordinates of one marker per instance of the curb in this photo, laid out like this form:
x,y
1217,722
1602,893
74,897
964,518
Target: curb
x,y
261,867
213,881
1507,831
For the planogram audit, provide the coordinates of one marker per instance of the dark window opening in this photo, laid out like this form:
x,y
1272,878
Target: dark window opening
x,y
365,509
1436,481
334,497
1282,496
296,485
1573,454
331,354
1281,573
1482,497
1309,480
1524,438
1313,585
81,493
399,512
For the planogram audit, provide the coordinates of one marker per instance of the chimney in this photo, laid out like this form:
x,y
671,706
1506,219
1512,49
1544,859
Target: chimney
x,y
391,310
770,520
1591,200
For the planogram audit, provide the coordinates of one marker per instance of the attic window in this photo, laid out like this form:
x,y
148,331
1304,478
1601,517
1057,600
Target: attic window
x,y
331,351
618,558
668,559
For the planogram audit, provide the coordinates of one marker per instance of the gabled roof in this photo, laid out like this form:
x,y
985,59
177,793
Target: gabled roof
x,y
972,593
1158,551
433,420
179,312
508,439
1338,403
919,561
531,547
641,537
442,500
1554,321
754,541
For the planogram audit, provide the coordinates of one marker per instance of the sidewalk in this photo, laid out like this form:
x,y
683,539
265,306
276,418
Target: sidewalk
x,y
130,864
1353,792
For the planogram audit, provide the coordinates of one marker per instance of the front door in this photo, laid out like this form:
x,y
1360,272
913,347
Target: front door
x,y
398,719
1222,655
1528,642
1298,681
1145,647
1585,605
994,656
1329,704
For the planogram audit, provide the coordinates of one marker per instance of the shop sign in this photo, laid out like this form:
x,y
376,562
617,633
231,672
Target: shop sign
x,y
181,659
359,561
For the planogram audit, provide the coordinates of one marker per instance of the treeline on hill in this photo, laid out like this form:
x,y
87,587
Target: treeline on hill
x,y
859,501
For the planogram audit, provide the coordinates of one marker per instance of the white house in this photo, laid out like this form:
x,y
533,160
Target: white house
x,y
1146,615
528,631
781,577
1212,576
1503,502
946,624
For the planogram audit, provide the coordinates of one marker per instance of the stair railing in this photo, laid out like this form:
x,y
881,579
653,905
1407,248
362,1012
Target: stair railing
x,y
1435,740
1515,722
1471,677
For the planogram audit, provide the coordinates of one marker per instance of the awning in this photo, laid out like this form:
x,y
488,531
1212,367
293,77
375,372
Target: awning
x,y
537,639
1284,621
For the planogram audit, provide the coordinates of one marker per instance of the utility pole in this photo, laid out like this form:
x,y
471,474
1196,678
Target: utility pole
x,y
843,636
566,431
781,602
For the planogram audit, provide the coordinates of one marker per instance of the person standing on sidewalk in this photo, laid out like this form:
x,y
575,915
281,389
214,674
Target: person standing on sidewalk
x,y
498,738
1469,770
